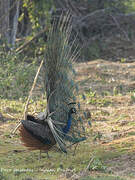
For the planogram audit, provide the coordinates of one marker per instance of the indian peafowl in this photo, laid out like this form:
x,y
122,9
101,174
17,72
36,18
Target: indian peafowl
x,y
60,123
32,137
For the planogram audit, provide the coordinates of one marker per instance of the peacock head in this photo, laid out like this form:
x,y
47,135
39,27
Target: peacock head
x,y
72,110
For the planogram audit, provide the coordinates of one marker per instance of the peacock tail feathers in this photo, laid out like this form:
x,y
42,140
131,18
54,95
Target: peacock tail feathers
x,y
61,89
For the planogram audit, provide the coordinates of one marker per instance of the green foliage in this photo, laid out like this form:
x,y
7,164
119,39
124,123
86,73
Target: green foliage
x,y
97,165
94,99
122,60
133,97
118,90
38,12
16,75
115,91
102,178
2,177
97,136
130,4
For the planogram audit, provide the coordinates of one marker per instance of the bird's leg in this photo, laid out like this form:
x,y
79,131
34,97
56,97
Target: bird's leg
x,y
39,158
66,157
47,155
75,149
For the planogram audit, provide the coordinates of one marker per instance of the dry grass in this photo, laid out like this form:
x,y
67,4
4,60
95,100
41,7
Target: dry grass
x,y
111,137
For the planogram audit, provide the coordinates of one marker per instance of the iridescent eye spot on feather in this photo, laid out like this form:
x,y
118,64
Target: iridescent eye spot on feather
x,y
72,110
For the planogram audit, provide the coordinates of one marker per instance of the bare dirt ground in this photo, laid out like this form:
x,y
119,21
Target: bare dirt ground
x,y
115,121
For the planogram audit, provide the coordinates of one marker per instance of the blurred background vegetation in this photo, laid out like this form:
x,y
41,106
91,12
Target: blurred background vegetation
x,y
105,29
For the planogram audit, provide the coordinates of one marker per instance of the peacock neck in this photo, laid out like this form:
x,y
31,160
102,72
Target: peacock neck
x,y
68,126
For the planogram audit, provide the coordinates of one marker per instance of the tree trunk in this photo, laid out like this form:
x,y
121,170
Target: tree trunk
x,y
15,24
4,19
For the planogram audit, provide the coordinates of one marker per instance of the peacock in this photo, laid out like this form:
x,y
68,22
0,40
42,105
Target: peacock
x,y
60,124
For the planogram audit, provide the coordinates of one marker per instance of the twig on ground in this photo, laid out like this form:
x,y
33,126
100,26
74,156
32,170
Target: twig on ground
x,y
87,168
10,115
22,47
76,176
